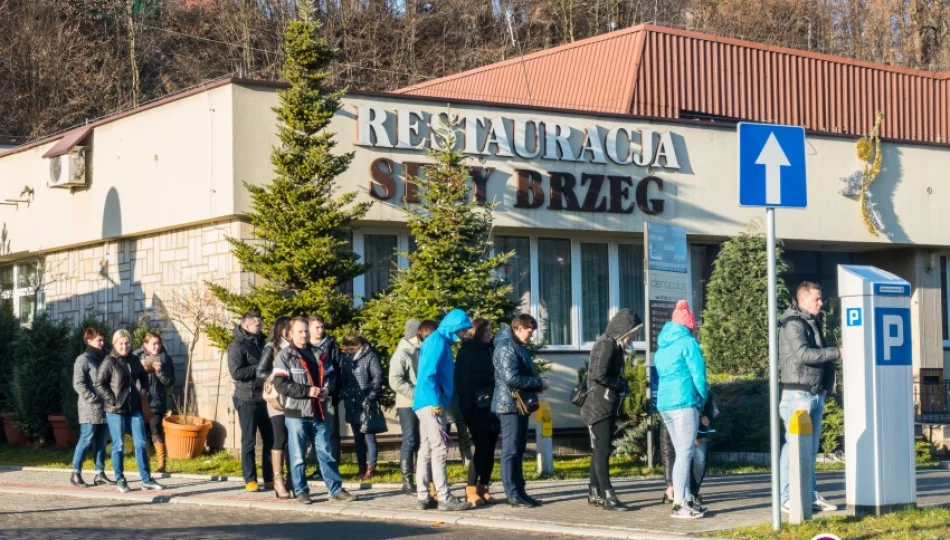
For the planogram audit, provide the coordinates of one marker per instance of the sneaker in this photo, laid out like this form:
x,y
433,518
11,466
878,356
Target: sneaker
x,y
343,496
428,504
253,487
453,504
822,505
152,485
122,485
696,505
685,511
304,498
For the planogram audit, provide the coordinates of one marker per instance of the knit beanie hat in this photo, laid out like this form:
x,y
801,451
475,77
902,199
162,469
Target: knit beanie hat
x,y
684,316
409,331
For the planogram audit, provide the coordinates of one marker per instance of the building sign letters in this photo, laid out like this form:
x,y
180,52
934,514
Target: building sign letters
x,y
503,137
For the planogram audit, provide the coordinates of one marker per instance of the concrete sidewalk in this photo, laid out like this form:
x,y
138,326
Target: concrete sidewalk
x,y
733,501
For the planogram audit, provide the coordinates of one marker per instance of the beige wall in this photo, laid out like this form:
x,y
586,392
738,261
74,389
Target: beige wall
x,y
159,168
126,280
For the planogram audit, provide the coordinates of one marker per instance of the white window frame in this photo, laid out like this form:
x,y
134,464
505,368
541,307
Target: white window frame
x,y
359,248
17,292
945,260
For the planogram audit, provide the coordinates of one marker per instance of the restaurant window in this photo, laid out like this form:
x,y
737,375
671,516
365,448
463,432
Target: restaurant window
x,y
944,301
630,259
517,269
380,254
554,284
18,286
595,290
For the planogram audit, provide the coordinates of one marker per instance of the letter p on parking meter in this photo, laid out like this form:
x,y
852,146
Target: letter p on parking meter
x,y
878,390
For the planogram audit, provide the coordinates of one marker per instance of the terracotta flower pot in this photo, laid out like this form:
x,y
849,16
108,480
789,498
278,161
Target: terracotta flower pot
x,y
64,433
13,435
185,441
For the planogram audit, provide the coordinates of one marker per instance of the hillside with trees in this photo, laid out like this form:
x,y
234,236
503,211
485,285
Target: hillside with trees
x,y
63,62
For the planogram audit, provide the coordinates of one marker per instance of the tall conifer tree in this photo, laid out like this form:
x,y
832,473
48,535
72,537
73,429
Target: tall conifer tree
x,y
302,228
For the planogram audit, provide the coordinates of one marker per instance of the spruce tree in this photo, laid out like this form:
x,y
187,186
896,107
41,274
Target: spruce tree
x,y
301,227
452,266
734,334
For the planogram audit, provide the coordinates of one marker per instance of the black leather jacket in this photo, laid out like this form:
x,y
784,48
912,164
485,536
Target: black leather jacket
x,y
121,381
805,363
514,370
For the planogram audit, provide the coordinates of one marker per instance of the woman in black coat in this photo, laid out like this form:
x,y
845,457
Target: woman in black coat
x,y
474,384
605,390
362,383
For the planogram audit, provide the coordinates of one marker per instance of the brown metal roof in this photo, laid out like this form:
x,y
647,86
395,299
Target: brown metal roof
x,y
68,142
662,72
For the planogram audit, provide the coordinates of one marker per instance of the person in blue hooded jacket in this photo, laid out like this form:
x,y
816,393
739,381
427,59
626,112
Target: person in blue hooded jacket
x,y
435,385
682,393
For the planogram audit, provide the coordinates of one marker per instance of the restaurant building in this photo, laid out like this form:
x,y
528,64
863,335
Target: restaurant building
x,y
576,148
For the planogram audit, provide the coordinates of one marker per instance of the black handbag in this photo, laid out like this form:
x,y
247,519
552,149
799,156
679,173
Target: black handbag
x,y
372,420
483,398
527,404
579,394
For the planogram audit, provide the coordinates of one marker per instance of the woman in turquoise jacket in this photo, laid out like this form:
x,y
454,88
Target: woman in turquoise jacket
x,y
681,395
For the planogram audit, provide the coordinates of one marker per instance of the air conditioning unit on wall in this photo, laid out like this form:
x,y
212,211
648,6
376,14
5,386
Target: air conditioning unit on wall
x,y
68,170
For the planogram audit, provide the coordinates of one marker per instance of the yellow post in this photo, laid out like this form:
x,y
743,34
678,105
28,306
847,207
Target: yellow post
x,y
800,467
543,433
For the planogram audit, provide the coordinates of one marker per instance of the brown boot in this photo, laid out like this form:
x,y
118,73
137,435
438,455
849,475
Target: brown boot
x,y
361,474
160,456
277,461
486,495
370,473
472,496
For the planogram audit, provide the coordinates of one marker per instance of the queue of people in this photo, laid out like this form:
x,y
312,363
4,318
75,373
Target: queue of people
x,y
291,390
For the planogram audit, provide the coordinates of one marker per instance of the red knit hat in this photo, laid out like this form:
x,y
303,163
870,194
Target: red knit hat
x,y
684,316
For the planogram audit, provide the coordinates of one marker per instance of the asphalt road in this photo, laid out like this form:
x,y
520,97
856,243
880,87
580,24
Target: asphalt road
x,y
30,517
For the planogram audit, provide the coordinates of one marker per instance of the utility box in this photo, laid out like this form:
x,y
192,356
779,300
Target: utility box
x,y
878,390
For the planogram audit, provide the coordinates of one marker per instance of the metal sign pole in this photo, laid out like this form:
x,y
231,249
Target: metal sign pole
x,y
648,355
773,372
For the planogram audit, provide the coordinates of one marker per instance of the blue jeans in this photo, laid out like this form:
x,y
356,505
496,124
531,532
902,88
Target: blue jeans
x,y
410,434
793,400
682,424
91,436
514,441
300,431
700,455
118,425
365,445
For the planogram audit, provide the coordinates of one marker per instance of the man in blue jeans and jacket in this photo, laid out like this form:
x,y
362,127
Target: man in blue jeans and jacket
x,y
807,375
514,372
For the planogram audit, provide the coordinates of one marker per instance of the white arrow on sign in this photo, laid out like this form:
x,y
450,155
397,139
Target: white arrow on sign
x,y
774,159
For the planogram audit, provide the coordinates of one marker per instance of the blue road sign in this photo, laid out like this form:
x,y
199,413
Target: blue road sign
x,y
772,166
892,336
853,316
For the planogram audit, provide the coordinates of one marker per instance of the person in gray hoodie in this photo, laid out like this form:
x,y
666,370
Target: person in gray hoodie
x,y
402,379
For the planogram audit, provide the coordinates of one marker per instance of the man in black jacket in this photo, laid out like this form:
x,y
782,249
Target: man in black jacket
x,y
244,353
807,375
514,372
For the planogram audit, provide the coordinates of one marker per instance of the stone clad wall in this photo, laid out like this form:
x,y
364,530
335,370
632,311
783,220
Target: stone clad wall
x,y
124,281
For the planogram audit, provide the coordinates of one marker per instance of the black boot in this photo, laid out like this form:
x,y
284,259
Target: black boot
x,y
76,480
593,497
611,502
101,480
408,483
